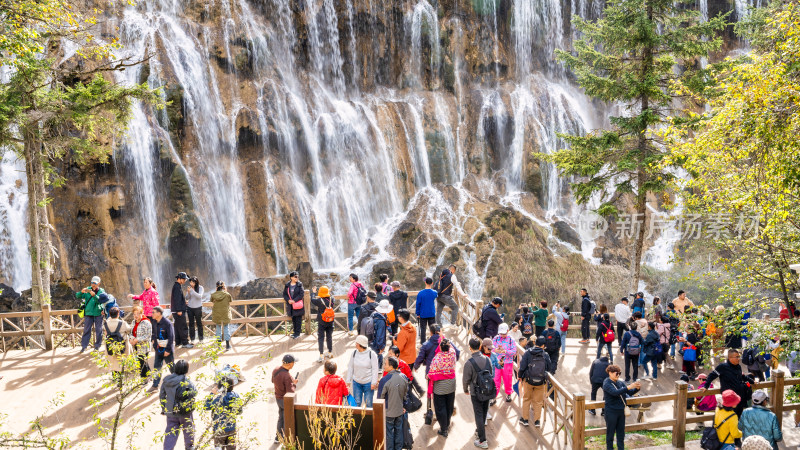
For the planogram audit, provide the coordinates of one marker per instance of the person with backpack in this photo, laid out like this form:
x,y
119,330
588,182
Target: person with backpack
x,y
224,405
726,424
652,350
622,314
526,326
754,359
674,326
385,288
406,339
426,308
149,298
116,340
178,307
444,287
605,335
379,325
597,376
614,394
221,313
356,296
399,300
92,314
688,352
490,320
140,339
664,338
163,343
363,372
533,370
331,389
505,348
366,310
587,309
283,384
552,343
631,347
478,381
324,303
177,403
758,420
293,295
562,322
731,378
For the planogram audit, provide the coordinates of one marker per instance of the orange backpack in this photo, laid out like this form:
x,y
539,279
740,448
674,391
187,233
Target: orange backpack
x,y
329,314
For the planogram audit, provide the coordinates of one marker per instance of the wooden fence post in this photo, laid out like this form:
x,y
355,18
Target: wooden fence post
x,y
307,310
579,424
46,325
679,433
777,395
289,423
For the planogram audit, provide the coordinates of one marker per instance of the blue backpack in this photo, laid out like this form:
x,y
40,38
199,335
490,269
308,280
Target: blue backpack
x,y
107,301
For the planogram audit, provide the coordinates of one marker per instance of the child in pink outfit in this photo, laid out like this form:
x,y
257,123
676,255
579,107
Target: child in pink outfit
x,y
504,349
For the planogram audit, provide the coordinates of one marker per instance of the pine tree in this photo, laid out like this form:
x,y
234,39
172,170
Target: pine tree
x,y
632,56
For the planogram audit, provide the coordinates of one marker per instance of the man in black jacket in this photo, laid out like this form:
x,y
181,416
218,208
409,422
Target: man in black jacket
x,y
552,343
477,362
366,310
178,307
533,370
163,343
597,375
731,377
491,318
445,298
399,300
586,315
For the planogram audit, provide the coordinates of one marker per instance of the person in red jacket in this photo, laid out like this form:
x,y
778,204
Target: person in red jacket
x,y
331,389
403,368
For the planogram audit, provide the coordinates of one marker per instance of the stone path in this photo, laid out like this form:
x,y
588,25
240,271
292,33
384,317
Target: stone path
x,y
31,379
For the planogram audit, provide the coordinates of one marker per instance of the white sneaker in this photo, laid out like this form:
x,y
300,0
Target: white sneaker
x,y
488,416
330,355
480,444
321,358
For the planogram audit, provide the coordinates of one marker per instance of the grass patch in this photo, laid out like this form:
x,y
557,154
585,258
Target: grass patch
x,y
650,438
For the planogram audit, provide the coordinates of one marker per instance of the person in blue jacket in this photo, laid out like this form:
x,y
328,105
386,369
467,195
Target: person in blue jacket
x,y
426,308
379,321
631,350
224,405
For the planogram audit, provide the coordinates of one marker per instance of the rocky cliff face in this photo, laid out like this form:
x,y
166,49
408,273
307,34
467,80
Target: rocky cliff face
x,y
358,135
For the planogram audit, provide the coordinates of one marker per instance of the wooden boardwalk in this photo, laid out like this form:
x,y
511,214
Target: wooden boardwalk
x,y
32,378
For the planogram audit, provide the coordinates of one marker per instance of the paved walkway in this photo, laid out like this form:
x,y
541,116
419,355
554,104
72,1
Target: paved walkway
x,y
31,379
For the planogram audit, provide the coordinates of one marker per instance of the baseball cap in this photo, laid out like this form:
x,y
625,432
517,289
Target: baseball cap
x,y
288,359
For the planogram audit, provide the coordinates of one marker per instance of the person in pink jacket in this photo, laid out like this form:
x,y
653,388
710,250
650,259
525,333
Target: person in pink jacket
x,y
505,348
353,308
149,297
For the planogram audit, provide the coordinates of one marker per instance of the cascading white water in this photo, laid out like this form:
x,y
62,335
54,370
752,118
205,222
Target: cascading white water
x,y
424,21
15,262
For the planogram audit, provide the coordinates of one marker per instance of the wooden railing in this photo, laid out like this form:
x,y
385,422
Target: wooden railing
x,y
48,329
567,410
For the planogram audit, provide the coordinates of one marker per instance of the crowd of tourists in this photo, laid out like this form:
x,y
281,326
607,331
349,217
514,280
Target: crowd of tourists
x,y
386,359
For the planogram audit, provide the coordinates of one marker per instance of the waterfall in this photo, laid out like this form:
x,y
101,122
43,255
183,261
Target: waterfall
x,y
15,261
424,21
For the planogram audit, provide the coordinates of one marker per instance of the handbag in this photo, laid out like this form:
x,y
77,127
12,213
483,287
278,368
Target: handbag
x,y
412,403
351,400
429,413
298,304
627,411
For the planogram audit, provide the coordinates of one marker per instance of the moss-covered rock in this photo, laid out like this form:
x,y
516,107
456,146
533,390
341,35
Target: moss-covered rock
x,y
180,192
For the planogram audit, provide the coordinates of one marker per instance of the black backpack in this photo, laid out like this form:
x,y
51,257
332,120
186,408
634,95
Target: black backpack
x,y
184,398
115,343
749,357
536,372
361,295
710,439
552,341
479,327
485,389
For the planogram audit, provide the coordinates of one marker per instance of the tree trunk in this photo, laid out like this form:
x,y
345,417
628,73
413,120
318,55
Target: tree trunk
x,y
636,262
40,246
